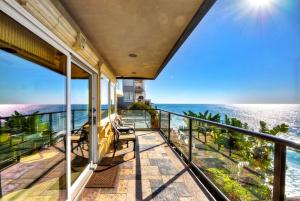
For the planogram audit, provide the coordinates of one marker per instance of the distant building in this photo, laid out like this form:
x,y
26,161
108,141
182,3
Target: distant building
x,y
133,91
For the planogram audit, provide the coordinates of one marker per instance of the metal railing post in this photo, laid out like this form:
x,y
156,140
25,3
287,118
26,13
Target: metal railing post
x,y
279,172
190,139
73,120
50,122
169,127
0,185
159,125
199,129
50,129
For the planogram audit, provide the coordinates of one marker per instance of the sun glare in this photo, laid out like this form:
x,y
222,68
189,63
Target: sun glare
x,y
260,4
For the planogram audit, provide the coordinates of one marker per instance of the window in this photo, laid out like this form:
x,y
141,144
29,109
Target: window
x,y
33,100
104,97
81,112
128,96
128,83
120,85
112,98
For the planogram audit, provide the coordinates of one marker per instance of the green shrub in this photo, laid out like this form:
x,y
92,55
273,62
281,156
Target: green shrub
x,y
232,188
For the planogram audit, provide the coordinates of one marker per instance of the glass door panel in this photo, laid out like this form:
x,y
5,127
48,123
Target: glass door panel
x,y
32,116
81,119
104,97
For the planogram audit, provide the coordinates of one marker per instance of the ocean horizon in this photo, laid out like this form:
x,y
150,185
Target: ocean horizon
x,y
272,114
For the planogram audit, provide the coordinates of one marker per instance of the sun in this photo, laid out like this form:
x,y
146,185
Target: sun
x,y
260,4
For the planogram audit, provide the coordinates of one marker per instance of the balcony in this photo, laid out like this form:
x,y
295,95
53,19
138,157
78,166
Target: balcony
x,y
212,152
177,157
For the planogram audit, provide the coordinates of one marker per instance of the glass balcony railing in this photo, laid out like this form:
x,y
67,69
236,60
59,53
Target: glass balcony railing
x,y
22,135
233,163
143,119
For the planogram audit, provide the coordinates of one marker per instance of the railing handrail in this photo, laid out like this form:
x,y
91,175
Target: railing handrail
x,y
260,135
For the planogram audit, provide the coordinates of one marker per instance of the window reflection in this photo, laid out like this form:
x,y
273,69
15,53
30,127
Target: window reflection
x,y
112,98
32,129
81,113
104,97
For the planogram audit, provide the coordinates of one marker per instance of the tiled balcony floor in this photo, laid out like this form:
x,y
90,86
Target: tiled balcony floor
x,y
16,179
155,174
18,182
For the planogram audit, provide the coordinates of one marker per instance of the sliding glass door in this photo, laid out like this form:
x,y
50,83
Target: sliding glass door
x,y
48,130
83,124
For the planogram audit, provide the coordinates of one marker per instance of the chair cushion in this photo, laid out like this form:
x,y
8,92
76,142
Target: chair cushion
x,y
124,128
75,137
127,137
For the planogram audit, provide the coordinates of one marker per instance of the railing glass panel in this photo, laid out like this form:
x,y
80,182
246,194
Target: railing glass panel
x,y
292,176
143,119
164,123
179,133
240,166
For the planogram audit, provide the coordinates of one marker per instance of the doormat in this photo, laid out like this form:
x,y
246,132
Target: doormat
x,y
103,177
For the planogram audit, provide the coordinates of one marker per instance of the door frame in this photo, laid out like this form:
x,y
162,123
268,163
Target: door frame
x,y
78,186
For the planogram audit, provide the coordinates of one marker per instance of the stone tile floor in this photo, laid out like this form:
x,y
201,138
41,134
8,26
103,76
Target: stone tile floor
x,y
18,181
155,174
18,177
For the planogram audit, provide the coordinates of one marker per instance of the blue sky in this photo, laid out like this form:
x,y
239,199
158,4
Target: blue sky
x,y
24,82
241,52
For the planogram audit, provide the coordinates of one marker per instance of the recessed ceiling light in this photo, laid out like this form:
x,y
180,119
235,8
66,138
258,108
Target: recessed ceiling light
x,y
132,55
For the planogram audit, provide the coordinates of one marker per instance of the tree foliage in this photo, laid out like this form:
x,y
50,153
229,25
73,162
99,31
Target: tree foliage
x,y
152,112
18,122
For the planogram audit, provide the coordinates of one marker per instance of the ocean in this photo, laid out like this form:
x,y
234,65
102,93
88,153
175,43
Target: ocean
x,y
272,114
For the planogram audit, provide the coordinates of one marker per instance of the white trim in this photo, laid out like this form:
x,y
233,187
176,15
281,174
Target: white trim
x,y
13,9
68,128
94,139
83,66
81,181
78,185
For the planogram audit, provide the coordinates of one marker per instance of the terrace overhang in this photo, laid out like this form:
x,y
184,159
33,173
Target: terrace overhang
x,y
136,38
